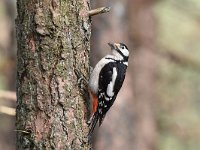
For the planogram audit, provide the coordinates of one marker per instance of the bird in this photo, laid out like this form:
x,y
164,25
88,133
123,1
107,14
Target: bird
x,y
105,82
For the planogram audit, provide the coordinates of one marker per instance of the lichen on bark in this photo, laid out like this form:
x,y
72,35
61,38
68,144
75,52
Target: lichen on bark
x,y
53,41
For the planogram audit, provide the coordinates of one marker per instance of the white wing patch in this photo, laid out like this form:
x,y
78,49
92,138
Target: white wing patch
x,y
111,85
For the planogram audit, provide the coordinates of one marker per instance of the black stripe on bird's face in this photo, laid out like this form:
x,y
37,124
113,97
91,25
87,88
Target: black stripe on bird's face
x,y
122,44
121,48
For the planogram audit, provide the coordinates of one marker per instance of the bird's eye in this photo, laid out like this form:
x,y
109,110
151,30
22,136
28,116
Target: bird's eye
x,y
123,47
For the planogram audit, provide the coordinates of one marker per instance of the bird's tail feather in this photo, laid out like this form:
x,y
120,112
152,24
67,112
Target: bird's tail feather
x,y
93,123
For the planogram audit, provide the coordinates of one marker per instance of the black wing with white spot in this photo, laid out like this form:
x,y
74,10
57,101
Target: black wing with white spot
x,y
121,69
110,81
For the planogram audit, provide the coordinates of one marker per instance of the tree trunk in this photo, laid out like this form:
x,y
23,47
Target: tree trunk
x,y
53,42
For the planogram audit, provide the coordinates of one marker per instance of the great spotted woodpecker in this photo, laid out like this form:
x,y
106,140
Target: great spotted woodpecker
x,y
106,80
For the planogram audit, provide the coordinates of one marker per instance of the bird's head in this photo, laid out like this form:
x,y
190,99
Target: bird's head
x,y
119,50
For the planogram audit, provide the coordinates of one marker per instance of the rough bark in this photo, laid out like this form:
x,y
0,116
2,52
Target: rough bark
x,y
53,42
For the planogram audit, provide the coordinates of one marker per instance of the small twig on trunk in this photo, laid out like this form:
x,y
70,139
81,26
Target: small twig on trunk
x,y
98,11
22,131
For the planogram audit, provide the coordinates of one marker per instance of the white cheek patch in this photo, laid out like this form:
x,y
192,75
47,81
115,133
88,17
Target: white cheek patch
x,y
110,88
125,52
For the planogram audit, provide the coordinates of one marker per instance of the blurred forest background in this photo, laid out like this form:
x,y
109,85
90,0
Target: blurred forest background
x,y
158,107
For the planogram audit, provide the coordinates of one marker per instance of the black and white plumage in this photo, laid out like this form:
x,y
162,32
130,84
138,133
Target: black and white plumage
x,y
106,80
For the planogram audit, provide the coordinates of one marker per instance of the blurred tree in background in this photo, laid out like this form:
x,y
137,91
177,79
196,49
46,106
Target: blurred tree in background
x,y
178,86
7,73
158,106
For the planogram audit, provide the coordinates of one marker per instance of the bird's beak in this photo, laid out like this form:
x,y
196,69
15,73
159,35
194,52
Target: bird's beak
x,y
114,46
